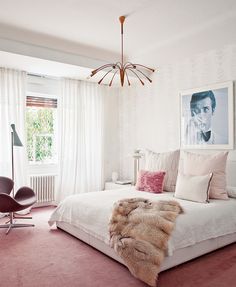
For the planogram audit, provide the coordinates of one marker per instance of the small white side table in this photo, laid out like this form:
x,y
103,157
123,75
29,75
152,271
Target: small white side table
x,y
113,185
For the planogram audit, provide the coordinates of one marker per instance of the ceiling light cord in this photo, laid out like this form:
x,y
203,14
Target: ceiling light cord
x,y
122,20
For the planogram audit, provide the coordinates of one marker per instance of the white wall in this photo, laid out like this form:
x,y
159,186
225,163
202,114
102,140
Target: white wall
x,y
149,116
111,135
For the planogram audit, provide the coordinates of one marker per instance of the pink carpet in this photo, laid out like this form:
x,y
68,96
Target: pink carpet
x,y
38,256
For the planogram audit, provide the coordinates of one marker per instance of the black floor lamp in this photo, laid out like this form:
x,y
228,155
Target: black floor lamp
x,y
15,141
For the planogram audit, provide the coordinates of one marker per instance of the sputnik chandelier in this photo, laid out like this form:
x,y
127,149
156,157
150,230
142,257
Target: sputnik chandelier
x,y
124,69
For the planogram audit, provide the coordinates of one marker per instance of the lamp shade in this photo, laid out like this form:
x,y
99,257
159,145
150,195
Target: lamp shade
x,y
16,139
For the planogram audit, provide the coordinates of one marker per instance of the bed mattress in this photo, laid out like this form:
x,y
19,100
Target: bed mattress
x,y
208,223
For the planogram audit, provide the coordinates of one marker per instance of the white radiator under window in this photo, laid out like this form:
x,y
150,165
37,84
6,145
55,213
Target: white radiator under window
x,y
44,187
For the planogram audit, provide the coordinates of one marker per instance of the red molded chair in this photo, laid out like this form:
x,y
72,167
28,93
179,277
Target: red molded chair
x,y
6,185
24,198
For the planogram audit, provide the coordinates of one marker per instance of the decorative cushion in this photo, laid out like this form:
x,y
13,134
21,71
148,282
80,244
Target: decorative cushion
x,y
202,164
151,181
166,161
193,187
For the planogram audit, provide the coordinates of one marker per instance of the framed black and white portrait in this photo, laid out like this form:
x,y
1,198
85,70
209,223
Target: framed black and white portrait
x,y
207,116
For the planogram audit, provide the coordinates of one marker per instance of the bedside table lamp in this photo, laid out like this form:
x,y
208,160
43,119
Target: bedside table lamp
x,y
137,156
15,141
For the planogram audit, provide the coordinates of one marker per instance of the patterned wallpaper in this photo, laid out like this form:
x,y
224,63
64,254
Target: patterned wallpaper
x,y
149,115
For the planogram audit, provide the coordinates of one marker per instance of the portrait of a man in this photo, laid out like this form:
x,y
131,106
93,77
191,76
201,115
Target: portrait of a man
x,y
205,118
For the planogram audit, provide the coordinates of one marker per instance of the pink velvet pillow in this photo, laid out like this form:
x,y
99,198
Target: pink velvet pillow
x,y
151,181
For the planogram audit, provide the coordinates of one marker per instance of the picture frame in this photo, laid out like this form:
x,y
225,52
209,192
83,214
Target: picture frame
x,y
207,117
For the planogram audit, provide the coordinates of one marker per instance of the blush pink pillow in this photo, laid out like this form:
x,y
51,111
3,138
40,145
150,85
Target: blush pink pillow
x,y
202,164
151,181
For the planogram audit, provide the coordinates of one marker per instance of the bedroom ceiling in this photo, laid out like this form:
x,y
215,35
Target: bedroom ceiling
x,y
156,31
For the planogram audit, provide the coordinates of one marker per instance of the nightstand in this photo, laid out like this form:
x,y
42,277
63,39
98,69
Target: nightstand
x,y
113,185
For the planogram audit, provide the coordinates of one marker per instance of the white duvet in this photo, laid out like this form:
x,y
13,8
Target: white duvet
x,y
200,221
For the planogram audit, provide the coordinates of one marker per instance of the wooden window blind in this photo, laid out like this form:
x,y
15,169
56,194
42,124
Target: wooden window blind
x,y
32,101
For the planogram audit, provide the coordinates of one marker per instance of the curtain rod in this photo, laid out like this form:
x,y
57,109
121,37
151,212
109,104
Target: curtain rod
x,y
42,76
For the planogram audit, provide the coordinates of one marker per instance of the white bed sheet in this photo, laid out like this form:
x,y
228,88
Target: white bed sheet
x,y
200,221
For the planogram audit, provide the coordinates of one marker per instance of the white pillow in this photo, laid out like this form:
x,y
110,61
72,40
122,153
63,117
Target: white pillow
x,y
193,187
166,161
231,191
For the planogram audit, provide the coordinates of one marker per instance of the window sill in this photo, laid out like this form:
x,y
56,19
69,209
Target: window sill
x,y
36,168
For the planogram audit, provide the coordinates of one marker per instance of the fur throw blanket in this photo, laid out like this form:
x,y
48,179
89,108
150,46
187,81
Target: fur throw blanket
x,y
139,232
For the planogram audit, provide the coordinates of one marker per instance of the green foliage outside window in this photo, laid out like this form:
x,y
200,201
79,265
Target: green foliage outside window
x,y
40,134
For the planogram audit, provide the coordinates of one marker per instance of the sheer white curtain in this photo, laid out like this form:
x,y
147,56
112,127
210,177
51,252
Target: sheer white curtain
x,y
12,111
81,138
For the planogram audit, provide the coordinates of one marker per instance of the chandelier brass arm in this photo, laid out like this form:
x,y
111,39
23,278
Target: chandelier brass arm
x,y
102,67
104,76
123,68
145,76
136,76
113,78
139,65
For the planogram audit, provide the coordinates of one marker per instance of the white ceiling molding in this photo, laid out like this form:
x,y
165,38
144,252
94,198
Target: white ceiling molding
x,y
84,33
41,52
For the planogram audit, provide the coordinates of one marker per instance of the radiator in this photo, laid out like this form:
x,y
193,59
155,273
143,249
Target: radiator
x,y
44,187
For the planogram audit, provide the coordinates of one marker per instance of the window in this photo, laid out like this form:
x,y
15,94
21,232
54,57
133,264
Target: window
x,y
41,129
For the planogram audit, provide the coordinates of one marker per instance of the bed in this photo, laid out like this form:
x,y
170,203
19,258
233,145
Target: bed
x,y
201,229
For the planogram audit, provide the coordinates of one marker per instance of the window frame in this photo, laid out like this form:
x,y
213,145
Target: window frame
x,y
44,168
